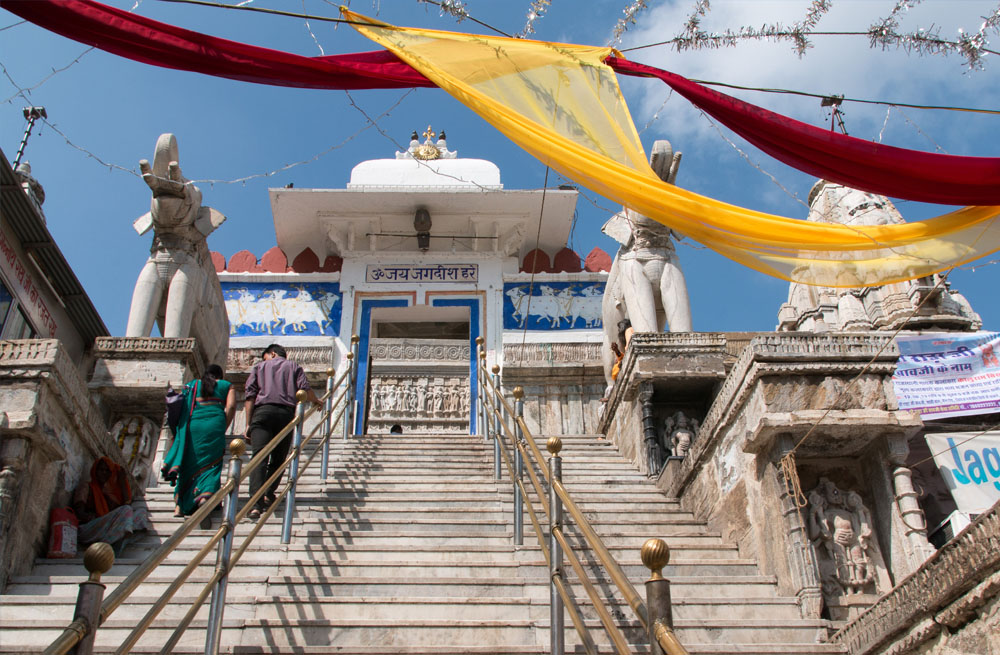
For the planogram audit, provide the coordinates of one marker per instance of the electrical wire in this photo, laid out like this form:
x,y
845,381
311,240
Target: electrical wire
x,y
292,14
845,99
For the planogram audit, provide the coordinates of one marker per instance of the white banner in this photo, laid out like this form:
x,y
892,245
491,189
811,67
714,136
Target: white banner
x,y
971,469
948,374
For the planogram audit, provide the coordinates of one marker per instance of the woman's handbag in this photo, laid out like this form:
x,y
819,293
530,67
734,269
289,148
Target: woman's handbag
x,y
175,405
175,409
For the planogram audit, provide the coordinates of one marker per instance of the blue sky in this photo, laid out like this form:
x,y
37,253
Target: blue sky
x,y
110,112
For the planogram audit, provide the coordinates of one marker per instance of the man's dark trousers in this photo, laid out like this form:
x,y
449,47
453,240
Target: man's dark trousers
x,y
267,421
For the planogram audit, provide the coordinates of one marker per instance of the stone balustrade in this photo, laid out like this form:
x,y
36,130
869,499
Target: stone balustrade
x,y
944,592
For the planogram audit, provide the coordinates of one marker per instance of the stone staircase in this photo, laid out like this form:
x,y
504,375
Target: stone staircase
x,y
408,549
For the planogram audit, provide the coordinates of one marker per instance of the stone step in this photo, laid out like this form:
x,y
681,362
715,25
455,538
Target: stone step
x,y
407,548
719,631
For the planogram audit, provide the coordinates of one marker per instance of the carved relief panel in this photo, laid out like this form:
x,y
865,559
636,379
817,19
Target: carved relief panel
x,y
422,385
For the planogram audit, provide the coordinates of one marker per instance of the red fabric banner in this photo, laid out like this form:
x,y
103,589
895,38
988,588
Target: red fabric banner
x,y
886,170
152,42
853,162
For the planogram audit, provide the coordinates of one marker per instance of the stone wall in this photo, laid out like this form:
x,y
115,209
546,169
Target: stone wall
x,y
799,435
563,385
50,432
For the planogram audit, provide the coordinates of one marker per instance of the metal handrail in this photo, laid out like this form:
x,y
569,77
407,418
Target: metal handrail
x,y
81,629
570,603
660,631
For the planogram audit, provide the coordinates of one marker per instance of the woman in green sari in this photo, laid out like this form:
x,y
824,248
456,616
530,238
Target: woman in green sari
x,y
194,463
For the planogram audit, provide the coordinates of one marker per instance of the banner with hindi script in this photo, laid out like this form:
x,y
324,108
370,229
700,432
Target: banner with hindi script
x,y
970,465
948,374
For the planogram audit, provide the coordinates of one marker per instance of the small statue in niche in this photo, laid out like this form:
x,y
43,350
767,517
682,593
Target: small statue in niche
x,y
678,433
136,437
841,528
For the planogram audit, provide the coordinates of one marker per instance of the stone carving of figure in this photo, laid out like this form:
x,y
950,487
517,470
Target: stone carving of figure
x,y
421,398
178,286
136,436
841,527
411,400
678,432
645,284
449,400
438,400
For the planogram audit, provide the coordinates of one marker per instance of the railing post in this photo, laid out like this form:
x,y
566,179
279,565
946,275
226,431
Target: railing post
x,y
498,425
293,471
518,467
98,560
556,613
324,465
349,397
481,428
237,447
352,400
655,555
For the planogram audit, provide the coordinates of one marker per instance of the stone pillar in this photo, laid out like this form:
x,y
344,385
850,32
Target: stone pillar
x,y
802,561
13,460
650,433
911,516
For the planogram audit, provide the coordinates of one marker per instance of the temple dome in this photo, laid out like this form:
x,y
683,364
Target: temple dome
x,y
473,173
427,164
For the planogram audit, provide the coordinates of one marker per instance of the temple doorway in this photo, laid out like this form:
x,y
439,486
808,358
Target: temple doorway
x,y
419,371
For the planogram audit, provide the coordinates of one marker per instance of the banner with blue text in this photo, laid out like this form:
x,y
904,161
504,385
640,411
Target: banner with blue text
x,y
970,465
948,374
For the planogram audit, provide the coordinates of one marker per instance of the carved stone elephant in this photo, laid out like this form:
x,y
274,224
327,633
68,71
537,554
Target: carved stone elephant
x,y
178,287
645,284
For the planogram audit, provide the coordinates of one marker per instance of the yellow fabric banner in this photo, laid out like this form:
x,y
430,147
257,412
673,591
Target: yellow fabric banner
x,y
561,103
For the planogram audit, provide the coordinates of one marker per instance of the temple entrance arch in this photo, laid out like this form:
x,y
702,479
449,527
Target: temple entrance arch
x,y
417,364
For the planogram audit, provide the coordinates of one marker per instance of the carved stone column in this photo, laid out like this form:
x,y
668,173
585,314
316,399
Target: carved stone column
x,y
13,460
650,433
910,514
802,561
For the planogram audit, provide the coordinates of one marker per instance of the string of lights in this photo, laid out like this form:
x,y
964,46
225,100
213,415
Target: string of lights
x,y
627,20
309,29
752,163
535,11
920,131
22,92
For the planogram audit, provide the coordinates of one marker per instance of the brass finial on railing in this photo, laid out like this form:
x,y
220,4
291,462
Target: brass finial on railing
x,y
495,369
350,356
98,560
480,341
553,445
301,396
238,447
355,339
518,393
330,372
655,555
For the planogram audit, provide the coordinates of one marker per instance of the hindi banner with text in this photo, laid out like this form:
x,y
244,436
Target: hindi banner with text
x,y
948,374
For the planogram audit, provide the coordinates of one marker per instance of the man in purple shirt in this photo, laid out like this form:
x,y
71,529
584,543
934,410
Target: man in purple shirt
x,y
270,406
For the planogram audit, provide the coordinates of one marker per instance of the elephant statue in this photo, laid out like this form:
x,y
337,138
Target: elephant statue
x,y
178,287
645,284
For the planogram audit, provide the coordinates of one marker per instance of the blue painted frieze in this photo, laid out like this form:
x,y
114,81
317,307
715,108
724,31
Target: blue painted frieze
x,y
299,309
552,305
